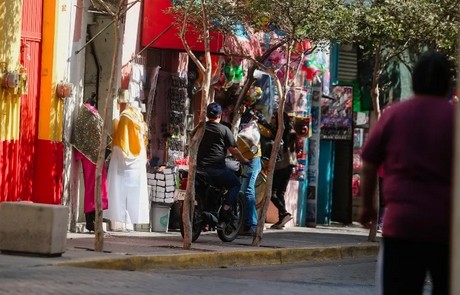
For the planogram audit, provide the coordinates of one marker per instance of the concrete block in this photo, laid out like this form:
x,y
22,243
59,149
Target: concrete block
x,y
33,228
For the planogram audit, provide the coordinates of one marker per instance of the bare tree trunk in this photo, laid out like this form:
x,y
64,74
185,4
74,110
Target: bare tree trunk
x,y
189,200
373,227
197,134
375,92
98,229
271,166
374,116
282,90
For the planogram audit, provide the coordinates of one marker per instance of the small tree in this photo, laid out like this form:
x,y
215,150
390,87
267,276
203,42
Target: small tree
x,y
296,20
117,13
198,131
390,29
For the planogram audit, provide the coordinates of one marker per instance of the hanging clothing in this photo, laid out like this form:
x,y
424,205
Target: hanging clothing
x,y
127,174
86,138
89,178
87,132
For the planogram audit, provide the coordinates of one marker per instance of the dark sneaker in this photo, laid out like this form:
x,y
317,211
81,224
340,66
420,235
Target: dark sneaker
x,y
227,216
285,219
248,232
90,226
276,225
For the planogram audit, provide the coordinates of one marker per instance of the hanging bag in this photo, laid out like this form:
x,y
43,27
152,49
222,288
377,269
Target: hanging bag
x,y
250,137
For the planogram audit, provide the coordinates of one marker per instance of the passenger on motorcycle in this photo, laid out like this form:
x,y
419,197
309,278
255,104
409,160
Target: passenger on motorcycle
x,y
217,141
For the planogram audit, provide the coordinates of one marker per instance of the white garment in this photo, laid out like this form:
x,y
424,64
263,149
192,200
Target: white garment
x,y
137,73
134,91
127,189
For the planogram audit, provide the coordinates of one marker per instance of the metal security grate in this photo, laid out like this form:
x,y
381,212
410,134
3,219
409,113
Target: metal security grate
x,y
348,64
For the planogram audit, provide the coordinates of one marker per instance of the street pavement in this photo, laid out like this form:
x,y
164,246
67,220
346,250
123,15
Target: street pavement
x,y
137,250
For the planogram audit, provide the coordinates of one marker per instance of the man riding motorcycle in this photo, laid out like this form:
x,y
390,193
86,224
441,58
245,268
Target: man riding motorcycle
x,y
217,141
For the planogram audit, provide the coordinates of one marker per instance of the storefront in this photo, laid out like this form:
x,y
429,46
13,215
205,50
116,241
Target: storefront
x,y
172,101
344,126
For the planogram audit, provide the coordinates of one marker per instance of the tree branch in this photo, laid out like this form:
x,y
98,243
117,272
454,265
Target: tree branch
x,y
184,41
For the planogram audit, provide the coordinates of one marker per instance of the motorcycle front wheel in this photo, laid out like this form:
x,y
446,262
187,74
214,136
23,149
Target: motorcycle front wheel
x,y
231,230
197,222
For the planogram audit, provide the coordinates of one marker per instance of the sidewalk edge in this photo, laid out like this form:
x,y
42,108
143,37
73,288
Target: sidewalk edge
x,y
227,259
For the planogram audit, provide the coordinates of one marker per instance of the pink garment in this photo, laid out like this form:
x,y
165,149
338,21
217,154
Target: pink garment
x,y
89,175
380,171
91,108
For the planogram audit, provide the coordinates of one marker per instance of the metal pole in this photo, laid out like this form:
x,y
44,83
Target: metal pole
x,y
455,237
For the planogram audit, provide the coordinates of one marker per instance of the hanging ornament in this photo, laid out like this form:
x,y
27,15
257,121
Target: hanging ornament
x,y
311,72
253,95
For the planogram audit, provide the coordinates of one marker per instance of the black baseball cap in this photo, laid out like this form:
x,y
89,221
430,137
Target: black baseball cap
x,y
213,110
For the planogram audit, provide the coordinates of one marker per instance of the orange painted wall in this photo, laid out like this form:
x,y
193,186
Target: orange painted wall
x,y
47,184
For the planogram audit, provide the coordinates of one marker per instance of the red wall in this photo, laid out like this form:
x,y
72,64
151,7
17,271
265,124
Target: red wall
x,y
47,185
17,165
9,170
155,21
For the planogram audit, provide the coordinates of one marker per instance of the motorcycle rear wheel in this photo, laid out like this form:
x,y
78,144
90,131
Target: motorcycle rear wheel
x,y
231,230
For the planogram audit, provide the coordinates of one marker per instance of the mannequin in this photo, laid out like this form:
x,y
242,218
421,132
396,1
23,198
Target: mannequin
x,y
86,137
127,174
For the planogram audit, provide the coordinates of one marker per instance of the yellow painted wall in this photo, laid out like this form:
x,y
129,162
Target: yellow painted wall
x,y
10,41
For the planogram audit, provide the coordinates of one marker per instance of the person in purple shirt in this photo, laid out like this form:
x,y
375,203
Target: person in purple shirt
x,y
413,140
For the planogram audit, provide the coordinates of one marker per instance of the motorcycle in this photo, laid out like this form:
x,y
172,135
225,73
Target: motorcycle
x,y
208,203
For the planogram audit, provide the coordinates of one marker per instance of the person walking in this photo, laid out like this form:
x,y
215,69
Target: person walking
x,y
413,140
252,151
283,170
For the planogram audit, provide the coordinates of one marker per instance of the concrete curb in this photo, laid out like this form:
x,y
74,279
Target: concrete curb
x,y
228,259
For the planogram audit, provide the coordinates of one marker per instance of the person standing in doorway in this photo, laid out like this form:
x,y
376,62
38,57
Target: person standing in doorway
x,y
413,140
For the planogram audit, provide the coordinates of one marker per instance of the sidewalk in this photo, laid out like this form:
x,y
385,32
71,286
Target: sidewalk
x,y
148,250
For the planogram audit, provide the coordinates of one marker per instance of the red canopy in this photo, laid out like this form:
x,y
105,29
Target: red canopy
x,y
156,20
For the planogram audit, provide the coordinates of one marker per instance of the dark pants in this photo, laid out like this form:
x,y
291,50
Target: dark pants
x,y
280,183
90,218
406,264
226,178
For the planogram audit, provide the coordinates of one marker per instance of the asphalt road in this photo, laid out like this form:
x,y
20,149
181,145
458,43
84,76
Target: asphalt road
x,y
338,277
347,276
